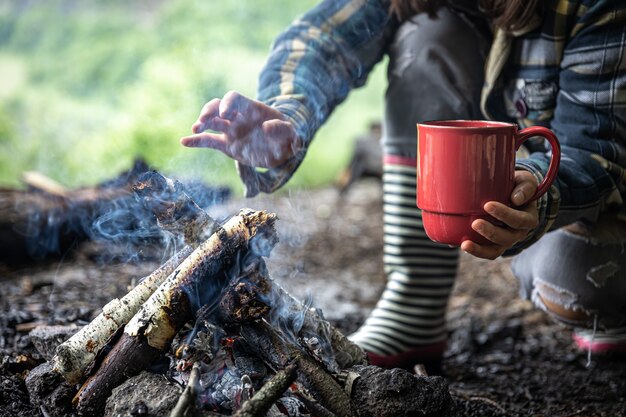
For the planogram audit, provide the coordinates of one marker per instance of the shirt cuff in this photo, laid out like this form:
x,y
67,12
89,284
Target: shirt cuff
x,y
547,205
255,180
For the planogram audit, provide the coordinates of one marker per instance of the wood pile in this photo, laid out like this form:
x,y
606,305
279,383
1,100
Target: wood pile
x,y
238,342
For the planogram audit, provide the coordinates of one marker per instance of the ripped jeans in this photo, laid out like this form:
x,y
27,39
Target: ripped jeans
x,y
580,269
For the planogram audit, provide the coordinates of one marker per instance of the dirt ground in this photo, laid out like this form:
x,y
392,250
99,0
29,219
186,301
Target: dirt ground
x,y
505,358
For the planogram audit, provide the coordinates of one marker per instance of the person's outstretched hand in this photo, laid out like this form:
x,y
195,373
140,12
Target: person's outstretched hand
x,y
247,130
518,221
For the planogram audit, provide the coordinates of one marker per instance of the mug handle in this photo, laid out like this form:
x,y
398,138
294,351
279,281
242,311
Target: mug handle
x,y
553,168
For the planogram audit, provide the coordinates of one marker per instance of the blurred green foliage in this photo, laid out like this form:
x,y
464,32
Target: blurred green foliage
x,y
86,86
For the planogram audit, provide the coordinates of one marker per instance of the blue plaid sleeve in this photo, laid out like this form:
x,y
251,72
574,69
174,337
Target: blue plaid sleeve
x,y
589,117
312,67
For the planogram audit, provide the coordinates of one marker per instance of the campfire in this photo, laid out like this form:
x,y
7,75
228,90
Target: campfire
x,y
232,337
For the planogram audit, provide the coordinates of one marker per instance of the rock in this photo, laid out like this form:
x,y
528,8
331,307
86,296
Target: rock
x,y
47,338
382,392
146,394
49,391
14,398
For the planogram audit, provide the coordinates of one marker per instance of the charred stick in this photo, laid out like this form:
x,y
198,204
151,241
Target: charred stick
x,y
346,353
323,387
152,329
173,208
74,355
314,406
278,353
254,295
262,401
339,352
188,397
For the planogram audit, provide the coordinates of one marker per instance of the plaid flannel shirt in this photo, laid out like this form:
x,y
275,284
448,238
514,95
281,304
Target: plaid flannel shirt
x,y
567,71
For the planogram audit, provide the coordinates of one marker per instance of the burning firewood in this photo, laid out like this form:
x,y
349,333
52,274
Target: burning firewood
x,y
259,307
152,329
173,208
224,276
77,353
175,211
253,296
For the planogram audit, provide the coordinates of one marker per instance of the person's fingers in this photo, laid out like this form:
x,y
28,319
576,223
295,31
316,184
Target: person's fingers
x,y
218,124
515,219
207,140
482,251
209,111
232,104
498,235
525,187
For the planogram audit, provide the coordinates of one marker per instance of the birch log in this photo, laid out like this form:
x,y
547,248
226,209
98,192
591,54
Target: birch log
x,y
74,356
174,211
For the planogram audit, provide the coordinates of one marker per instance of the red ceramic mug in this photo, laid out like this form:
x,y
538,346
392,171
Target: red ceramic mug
x,y
461,165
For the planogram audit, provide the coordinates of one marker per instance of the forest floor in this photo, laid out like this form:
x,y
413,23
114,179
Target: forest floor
x,y
505,357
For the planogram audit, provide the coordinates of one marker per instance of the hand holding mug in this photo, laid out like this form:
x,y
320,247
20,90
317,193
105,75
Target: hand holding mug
x,y
517,221
467,186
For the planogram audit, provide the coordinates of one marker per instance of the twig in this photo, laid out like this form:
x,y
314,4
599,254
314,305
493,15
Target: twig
x,y
314,407
262,401
478,398
41,182
187,399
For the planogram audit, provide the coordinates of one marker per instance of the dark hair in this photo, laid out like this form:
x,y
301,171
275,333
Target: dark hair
x,y
509,15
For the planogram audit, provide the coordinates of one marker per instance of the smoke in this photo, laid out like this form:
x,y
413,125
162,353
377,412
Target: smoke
x,y
125,223
109,214
43,232
287,314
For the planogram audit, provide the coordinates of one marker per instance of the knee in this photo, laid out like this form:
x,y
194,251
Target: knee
x,y
573,279
562,304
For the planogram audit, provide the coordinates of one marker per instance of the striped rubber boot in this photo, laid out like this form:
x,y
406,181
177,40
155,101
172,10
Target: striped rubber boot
x,y
407,326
